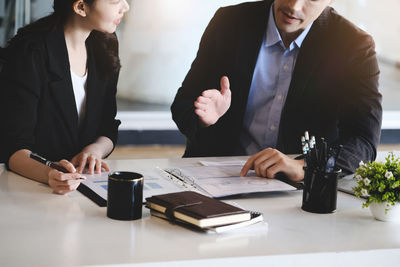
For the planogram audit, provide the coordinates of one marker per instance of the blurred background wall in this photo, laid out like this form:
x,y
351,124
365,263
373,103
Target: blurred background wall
x,y
159,40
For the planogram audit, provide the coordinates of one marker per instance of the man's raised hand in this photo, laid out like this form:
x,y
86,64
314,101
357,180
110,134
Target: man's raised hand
x,y
213,104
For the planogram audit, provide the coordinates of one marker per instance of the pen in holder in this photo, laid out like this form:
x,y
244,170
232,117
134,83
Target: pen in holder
x,y
320,176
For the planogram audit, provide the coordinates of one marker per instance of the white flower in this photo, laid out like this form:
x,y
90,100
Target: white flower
x,y
362,164
367,181
358,178
388,175
364,192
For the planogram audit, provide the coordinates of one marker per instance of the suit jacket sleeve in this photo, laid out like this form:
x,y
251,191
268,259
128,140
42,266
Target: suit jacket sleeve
x,y
22,79
361,111
109,127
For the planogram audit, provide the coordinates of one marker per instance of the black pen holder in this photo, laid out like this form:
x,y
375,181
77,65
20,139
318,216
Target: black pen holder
x,y
320,190
125,195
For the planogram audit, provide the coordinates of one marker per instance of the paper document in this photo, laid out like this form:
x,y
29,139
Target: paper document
x,y
220,181
155,183
223,163
256,217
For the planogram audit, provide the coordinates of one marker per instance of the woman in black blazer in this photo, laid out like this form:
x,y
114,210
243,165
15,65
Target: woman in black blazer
x,y
58,92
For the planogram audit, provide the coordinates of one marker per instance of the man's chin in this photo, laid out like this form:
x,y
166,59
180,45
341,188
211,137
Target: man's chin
x,y
288,29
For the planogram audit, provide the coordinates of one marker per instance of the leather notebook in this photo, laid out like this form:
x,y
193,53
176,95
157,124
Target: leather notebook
x,y
197,209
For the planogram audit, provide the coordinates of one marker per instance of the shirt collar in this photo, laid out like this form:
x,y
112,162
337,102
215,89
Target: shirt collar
x,y
273,37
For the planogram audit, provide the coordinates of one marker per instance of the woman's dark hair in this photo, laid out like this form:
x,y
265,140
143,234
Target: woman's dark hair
x,y
106,44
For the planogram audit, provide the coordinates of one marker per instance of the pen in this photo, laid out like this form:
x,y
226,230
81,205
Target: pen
x,y
306,136
50,164
330,165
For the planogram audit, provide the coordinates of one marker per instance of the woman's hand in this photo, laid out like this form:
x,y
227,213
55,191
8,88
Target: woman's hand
x,y
90,156
63,183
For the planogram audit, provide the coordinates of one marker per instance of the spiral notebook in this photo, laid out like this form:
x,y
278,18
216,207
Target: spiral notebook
x,y
224,180
216,180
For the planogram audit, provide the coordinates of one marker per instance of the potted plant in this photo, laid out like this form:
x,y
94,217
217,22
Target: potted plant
x,y
379,183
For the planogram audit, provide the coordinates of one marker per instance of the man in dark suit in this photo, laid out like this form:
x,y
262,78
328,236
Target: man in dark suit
x,y
287,66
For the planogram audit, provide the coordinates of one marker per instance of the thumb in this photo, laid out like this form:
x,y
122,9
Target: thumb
x,y
67,165
225,85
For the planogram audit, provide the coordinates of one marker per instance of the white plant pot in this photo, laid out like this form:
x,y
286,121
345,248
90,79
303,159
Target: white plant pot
x,y
378,211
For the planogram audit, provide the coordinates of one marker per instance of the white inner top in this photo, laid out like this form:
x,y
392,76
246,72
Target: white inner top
x,y
79,86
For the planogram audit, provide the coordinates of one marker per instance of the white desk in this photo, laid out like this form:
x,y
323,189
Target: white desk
x,y
38,228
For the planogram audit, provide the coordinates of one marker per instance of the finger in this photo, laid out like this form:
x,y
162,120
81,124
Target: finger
x,y
71,182
264,155
264,162
105,166
247,166
263,167
212,93
60,191
203,100
200,106
201,113
273,170
55,176
225,86
92,163
82,162
65,187
67,165
258,169
61,177
279,166
75,160
98,165
206,119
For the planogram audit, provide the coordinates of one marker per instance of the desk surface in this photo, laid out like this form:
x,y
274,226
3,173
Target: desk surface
x,y
39,227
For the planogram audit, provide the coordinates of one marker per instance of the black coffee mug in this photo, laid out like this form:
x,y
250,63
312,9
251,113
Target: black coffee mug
x,y
125,195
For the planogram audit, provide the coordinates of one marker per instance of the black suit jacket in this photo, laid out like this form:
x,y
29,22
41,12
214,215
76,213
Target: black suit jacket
x,y
333,91
37,99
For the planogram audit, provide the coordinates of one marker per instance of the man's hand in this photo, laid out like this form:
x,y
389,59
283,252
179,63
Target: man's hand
x,y
213,104
269,162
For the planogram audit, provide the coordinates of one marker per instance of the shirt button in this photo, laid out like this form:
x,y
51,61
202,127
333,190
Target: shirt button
x,y
286,67
279,97
272,128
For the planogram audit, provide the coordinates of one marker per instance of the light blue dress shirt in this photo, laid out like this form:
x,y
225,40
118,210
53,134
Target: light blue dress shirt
x,y
269,88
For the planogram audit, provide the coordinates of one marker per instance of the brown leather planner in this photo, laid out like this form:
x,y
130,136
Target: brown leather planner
x,y
197,209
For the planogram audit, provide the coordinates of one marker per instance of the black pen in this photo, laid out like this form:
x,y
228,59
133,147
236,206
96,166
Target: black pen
x,y
50,164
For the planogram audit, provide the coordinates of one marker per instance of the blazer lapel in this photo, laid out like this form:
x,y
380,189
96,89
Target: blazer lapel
x,y
60,83
310,54
250,38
